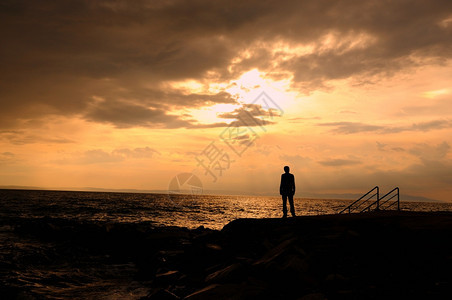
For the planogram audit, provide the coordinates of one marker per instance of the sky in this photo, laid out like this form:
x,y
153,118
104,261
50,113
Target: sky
x,y
133,94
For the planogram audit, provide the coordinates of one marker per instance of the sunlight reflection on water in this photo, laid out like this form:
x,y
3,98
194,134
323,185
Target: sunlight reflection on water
x,y
190,211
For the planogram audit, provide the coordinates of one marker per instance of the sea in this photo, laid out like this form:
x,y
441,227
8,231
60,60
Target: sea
x,y
39,268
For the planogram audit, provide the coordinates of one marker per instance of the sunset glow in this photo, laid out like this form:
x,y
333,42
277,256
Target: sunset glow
x,y
126,95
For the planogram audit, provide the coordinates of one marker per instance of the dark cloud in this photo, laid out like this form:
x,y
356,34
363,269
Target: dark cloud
x,y
250,115
57,55
125,115
356,127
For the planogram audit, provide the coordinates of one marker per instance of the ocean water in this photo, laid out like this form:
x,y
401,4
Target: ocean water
x,y
51,268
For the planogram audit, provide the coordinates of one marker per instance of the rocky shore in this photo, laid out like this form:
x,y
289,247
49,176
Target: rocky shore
x,y
380,255
367,256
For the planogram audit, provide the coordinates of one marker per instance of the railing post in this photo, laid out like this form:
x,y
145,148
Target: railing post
x,y
378,198
398,199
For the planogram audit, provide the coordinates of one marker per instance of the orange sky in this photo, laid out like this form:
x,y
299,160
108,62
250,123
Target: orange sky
x,y
127,95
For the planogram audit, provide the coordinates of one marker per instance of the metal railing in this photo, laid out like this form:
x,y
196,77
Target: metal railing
x,y
358,203
392,195
382,203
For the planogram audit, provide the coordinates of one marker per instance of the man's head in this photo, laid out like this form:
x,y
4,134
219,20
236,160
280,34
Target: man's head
x,y
286,169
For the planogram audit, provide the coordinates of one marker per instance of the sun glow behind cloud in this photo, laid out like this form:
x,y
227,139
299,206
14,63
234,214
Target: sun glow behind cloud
x,y
250,84
435,93
245,89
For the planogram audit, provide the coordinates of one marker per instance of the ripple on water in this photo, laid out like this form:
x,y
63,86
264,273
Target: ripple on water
x,y
42,266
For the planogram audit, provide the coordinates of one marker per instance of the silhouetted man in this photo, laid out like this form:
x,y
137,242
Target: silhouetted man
x,y
287,190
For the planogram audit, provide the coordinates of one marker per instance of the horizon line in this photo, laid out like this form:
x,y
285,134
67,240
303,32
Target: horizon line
x,y
348,196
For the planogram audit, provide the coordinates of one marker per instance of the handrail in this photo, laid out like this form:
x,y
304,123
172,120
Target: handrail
x,y
398,206
370,205
398,197
380,202
350,206
365,201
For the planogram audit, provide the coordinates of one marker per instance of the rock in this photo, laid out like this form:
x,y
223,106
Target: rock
x,y
274,253
229,291
161,294
314,296
227,274
336,282
294,264
7,292
208,292
335,278
214,247
167,277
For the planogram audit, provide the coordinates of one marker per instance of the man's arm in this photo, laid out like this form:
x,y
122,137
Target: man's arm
x,y
293,184
280,185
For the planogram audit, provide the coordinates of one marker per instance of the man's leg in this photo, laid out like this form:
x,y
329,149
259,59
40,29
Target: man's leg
x,y
292,208
284,205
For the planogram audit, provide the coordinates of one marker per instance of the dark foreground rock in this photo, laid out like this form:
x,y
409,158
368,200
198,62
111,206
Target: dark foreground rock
x,y
382,255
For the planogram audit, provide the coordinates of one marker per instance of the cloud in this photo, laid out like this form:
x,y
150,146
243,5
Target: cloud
x,y
352,127
19,137
357,127
431,125
430,152
432,173
383,147
339,162
7,158
297,160
57,55
301,119
99,156
440,107
144,152
125,115
250,115
436,174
